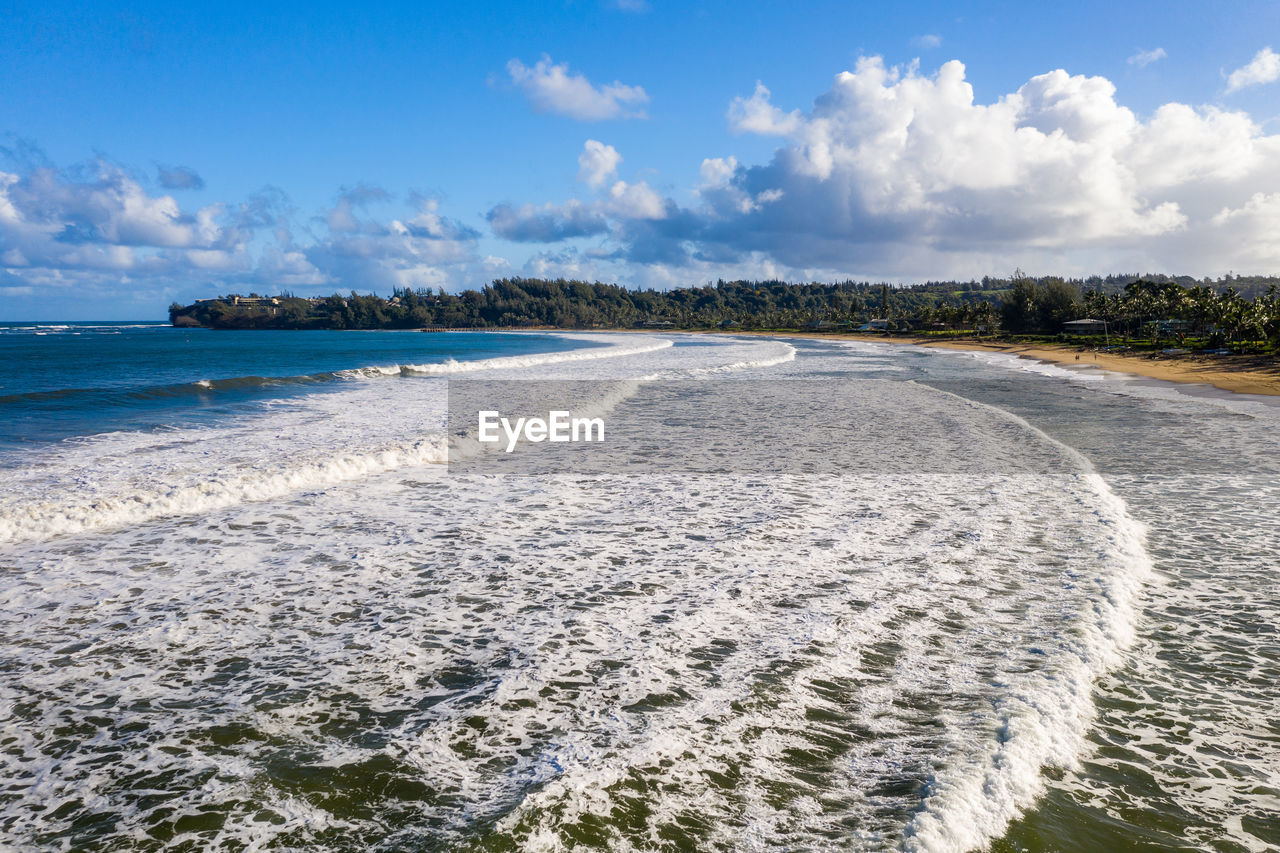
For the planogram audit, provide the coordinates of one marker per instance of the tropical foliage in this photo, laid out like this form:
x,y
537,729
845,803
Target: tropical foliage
x,y
1152,308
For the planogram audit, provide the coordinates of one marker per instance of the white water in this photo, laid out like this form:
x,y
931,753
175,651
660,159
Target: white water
x,y
872,660
120,479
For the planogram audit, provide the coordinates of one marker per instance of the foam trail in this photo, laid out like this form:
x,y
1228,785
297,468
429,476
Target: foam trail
x,y
1009,361
786,353
1042,718
142,502
787,631
45,520
1036,718
448,368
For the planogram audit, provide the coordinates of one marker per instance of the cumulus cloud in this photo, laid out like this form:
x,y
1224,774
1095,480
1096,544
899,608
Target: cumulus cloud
x,y
91,240
1253,225
495,265
1265,68
1143,58
180,178
716,171
552,222
890,163
95,230
343,217
899,174
105,220
635,201
550,88
757,115
928,41
547,223
616,202
566,263
597,163
424,249
890,173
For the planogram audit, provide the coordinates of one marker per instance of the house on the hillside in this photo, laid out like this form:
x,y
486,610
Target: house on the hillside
x,y
254,301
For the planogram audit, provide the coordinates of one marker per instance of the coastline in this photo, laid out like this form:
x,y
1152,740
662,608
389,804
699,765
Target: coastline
x,y
1240,374
1237,374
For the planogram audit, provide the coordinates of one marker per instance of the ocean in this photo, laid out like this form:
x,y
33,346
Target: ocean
x,y
260,593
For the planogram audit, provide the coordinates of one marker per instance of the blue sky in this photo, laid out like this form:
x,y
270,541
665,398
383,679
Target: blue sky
x,y
153,153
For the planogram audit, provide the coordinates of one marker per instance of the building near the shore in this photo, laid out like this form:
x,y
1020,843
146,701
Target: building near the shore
x,y
1086,326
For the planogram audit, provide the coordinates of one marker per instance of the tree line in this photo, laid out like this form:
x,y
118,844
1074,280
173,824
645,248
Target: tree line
x,y
1216,311
1148,309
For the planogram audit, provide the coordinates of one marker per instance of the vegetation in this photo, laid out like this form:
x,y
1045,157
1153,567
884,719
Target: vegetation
x,y
1150,313
522,302
1153,309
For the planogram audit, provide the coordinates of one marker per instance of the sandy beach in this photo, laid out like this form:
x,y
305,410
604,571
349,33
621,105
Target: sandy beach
x,y
1243,374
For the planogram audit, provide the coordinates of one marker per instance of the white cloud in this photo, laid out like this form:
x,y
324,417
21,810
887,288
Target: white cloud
x,y
620,202
635,201
105,220
425,249
99,231
891,163
566,263
716,171
551,222
597,163
1265,68
547,223
890,173
282,266
1143,58
343,217
1252,226
757,115
550,88
897,174
928,41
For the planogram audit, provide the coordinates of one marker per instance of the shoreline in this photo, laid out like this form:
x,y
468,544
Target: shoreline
x,y
1239,374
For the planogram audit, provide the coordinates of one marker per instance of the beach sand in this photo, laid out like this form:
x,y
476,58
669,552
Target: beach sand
x,y
1243,374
